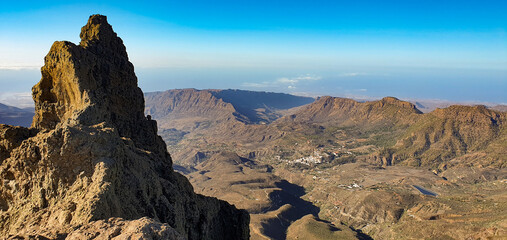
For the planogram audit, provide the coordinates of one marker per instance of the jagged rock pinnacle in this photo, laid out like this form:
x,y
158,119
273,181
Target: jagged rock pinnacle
x,y
92,156
91,83
98,36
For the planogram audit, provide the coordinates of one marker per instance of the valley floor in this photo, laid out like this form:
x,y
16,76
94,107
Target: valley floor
x,y
354,200
342,169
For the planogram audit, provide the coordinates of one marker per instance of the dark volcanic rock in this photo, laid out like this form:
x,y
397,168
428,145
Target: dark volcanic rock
x,y
93,155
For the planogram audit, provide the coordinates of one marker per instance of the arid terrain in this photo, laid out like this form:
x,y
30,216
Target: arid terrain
x,y
342,169
100,159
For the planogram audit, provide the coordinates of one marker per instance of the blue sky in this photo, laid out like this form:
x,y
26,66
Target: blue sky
x,y
454,50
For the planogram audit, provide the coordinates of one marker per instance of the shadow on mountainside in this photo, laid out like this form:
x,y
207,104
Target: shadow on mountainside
x,y
290,194
248,103
291,207
16,116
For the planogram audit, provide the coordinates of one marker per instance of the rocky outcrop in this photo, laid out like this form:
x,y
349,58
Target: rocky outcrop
x,y
118,229
11,137
91,83
92,154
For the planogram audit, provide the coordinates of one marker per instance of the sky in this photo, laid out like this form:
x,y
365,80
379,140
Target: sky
x,y
452,50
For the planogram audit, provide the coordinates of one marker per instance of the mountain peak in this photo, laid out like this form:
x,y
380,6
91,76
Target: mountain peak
x,y
96,30
98,36
390,99
399,103
90,83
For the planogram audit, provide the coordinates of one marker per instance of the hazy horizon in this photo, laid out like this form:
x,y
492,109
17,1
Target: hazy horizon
x,y
453,50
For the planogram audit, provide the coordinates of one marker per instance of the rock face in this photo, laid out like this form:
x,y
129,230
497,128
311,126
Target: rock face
x,y
90,84
92,154
117,229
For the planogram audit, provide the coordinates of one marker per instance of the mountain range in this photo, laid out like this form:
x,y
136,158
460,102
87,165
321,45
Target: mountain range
x,y
92,160
16,116
355,164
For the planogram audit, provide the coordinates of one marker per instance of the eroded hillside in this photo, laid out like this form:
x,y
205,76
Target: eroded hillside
x,y
382,168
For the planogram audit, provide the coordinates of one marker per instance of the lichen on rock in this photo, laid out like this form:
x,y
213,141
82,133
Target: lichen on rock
x,y
92,155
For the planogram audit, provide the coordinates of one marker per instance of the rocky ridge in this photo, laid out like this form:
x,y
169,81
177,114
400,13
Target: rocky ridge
x,y
474,135
343,111
249,107
199,109
374,154
91,155
185,115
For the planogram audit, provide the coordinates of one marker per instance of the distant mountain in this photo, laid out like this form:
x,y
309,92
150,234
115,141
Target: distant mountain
x,y
453,136
223,114
359,164
185,115
188,109
500,108
429,105
387,132
15,116
474,135
260,107
343,111
245,106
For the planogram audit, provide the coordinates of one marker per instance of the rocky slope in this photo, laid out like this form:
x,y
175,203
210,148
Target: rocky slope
x,y
185,115
118,229
359,164
245,106
189,109
273,203
454,136
92,155
311,228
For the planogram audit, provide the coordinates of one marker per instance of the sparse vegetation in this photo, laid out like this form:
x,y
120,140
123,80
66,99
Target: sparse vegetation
x,y
359,166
